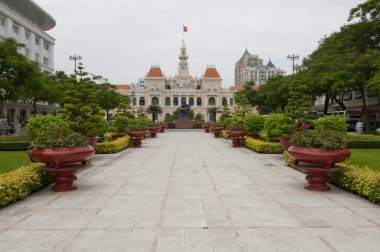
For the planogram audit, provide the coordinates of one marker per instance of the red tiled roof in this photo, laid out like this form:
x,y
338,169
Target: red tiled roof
x,y
211,73
155,72
238,88
123,86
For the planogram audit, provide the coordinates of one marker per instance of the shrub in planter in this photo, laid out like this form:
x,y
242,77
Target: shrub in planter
x,y
279,125
40,123
253,123
236,124
225,121
139,124
332,122
199,117
54,137
319,146
82,110
319,138
121,123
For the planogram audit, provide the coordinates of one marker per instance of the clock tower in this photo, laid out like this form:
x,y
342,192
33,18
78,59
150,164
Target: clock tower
x,y
183,67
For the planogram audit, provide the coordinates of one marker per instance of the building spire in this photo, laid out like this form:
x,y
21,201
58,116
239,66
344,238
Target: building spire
x,y
183,68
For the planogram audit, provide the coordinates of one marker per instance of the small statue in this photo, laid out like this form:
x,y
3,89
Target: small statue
x,y
184,111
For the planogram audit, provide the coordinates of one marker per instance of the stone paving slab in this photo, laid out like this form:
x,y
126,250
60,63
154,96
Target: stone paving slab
x,y
187,191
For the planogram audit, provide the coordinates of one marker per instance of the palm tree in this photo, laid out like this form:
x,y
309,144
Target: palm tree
x,y
154,110
212,112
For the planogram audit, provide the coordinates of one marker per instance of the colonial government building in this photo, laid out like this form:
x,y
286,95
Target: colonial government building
x,y
170,93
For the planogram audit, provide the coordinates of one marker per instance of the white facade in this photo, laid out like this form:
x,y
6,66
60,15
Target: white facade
x,y
26,22
170,93
251,68
23,23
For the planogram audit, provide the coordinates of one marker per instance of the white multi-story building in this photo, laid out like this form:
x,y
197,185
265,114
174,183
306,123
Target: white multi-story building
x,y
251,68
27,23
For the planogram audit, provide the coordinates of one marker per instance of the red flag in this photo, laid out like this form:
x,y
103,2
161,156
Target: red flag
x,y
184,28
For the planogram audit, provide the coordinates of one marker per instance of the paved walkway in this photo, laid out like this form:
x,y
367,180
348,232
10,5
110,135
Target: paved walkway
x,y
187,191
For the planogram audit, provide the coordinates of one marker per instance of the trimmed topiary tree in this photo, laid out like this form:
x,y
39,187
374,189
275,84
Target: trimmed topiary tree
x,y
81,108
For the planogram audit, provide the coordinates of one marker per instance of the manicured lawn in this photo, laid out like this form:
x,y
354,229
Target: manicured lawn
x,y
10,160
365,157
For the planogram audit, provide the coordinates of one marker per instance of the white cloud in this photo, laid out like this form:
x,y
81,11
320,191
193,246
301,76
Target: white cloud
x,y
121,39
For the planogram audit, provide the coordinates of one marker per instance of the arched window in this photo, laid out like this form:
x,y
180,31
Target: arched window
x,y
211,101
175,101
191,101
224,101
231,101
199,101
183,100
142,101
155,101
167,101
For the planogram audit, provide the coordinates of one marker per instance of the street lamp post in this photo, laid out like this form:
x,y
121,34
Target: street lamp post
x,y
75,58
292,58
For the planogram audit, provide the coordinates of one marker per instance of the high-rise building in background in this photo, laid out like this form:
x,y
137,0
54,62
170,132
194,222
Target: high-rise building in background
x,y
27,23
251,68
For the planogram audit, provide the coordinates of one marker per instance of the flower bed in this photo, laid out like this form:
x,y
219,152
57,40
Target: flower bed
x,y
112,146
263,147
21,182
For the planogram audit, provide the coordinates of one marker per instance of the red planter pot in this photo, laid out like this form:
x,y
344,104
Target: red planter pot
x,y
236,136
324,157
163,127
153,131
63,177
216,131
198,125
285,143
62,155
317,177
137,136
93,140
206,127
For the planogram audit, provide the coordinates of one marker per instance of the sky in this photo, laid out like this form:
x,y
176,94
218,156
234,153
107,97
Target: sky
x,y
122,39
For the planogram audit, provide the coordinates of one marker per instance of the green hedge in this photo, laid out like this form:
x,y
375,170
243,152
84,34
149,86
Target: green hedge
x,y
108,136
360,180
223,134
262,147
363,144
14,146
18,184
112,146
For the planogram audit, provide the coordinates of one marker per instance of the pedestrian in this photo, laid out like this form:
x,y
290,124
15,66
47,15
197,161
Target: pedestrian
x,y
18,127
359,126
